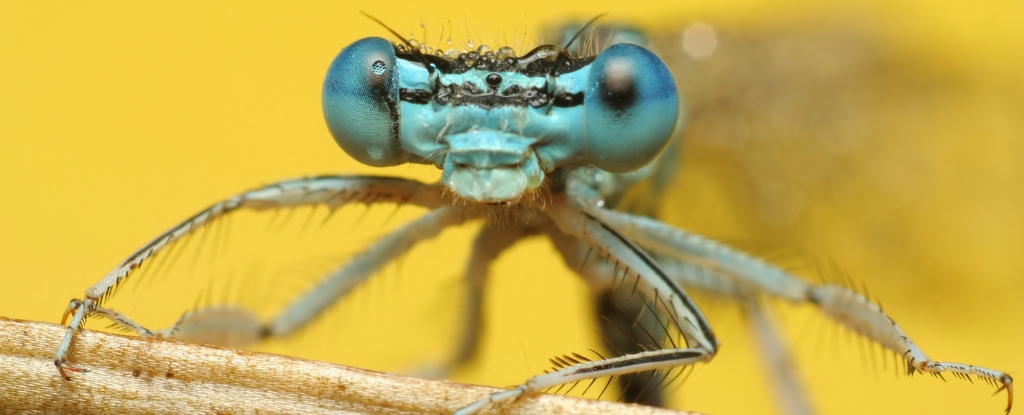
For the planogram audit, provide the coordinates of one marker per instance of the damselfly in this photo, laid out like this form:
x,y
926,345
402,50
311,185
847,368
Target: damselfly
x,y
541,143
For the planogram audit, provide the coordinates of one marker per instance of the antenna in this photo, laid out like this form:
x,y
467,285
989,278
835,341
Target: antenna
x,y
415,49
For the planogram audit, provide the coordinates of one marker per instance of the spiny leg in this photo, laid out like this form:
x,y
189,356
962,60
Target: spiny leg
x,y
843,305
340,282
630,328
233,326
866,318
788,388
639,272
332,191
207,325
624,319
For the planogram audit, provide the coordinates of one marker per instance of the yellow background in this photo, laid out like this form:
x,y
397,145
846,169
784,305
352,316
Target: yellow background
x,y
119,120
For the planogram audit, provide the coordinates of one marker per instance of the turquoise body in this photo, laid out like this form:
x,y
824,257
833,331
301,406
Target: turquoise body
x,y
498,126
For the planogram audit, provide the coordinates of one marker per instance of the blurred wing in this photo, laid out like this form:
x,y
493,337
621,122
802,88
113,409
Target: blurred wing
x,y
794,128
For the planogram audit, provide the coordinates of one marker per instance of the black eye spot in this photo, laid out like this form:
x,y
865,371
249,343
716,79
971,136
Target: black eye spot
x,y
493,79
378,67
377,77
619,86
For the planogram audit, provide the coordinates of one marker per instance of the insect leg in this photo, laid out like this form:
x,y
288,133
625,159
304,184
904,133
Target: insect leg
x,y
340,282
123,322
648,280
220,325
629,327
237,327
332,191
787,386
839,303
626,322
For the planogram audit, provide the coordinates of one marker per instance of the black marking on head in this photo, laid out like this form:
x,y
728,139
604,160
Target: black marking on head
x,y
538,62
543,61
470,94
493,79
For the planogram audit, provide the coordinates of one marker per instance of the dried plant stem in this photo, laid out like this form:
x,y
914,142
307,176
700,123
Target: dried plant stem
x,y
134,375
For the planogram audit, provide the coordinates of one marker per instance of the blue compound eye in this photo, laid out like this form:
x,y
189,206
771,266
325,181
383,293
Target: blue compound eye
x,y
361,102
630,108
